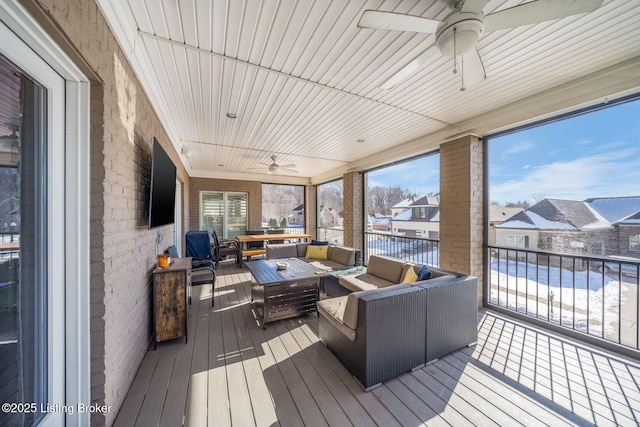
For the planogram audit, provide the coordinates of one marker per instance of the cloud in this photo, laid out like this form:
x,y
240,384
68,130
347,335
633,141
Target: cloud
x,y
518,147
616,173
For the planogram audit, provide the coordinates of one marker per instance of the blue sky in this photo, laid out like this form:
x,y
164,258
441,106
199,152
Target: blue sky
x,y
591,155
419,176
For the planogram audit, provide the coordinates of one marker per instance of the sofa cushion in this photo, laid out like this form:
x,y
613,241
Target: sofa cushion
x,y
350,316
363,282
333,310
324,264
286,250
424,273
317,252
386,268
410,276
302,249
344,256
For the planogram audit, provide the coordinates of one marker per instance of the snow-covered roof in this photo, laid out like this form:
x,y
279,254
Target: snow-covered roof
x,y
531,220
557,214
404,203
404,216
615,209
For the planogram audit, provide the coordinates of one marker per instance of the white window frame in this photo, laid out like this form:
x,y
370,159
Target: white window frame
x,y
30,48
225,206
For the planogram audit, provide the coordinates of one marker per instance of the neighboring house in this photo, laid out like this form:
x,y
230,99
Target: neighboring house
x,y
378,223
421,219
329,217
497,215
402,206
598,226
297,217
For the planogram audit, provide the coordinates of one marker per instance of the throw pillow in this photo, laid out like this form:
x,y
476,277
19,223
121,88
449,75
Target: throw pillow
x,y
319,243
424,273
317,252
410,276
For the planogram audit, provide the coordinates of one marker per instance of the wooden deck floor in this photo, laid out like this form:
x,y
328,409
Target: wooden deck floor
x,y
231,372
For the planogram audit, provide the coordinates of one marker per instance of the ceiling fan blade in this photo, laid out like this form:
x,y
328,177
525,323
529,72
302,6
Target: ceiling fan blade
x,y
472,68
538,11
378,20
474,6
411,67
289,166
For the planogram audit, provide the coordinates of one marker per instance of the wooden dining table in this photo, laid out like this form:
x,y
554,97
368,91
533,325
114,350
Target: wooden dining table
x,y
243,239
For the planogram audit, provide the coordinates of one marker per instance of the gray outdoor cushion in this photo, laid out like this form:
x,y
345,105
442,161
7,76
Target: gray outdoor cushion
x,y
363,282
385,268
333,310
285,250
324,264
302,249
344,256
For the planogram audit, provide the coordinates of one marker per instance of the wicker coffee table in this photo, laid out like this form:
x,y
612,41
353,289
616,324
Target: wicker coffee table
x,y
283,294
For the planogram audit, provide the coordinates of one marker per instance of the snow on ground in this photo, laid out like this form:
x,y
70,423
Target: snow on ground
x,y
583,299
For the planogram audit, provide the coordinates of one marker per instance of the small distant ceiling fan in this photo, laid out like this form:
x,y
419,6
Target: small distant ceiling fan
x,y
274,167
458,34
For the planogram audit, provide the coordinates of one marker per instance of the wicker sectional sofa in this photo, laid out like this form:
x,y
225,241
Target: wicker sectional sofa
x,y
338,257
384,328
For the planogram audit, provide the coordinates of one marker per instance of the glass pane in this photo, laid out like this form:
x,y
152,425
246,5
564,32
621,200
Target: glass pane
x,y
283,207
330,215
236,215
23,297
213,213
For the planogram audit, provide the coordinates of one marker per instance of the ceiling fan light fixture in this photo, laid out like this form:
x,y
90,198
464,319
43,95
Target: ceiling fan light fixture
x,y
459,37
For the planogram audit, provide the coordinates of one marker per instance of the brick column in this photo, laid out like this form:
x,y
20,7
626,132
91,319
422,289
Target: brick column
x,y
310,210
461,207
353,209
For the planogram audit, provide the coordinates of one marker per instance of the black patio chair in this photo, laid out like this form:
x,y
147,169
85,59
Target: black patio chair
x,y
275,231
223,248
198,247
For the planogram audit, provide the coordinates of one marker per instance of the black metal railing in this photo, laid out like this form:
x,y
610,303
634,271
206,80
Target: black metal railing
x,y
331,234
414,249
597,296
286,230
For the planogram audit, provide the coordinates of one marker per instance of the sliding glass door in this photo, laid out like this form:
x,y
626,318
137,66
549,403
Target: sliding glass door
x,y
224,212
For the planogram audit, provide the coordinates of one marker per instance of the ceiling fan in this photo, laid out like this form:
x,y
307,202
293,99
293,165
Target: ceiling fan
x,y
458,34
274,167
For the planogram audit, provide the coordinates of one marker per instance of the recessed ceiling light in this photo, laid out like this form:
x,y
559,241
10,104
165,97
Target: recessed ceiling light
x,y
231,115
220,165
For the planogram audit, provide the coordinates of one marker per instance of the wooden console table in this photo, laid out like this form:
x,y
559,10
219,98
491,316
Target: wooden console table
x,y
171,289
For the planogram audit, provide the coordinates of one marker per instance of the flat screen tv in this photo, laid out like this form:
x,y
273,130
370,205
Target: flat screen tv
x,y
162,194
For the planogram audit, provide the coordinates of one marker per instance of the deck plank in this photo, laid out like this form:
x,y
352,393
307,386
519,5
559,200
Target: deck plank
x,y
219,412
176,400
137,393
280,398
263,412
232,372
196,410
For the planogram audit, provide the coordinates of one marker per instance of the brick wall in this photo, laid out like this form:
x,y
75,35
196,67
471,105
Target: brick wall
x,y
461,207
254,189
353,210
311,208
123,125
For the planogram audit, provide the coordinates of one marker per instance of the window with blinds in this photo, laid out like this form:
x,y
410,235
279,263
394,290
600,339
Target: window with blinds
x,y
224,212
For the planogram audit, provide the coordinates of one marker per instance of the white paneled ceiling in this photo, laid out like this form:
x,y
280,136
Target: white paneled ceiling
x,y
303,80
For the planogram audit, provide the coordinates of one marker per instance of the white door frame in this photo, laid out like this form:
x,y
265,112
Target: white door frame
x,y
28,46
